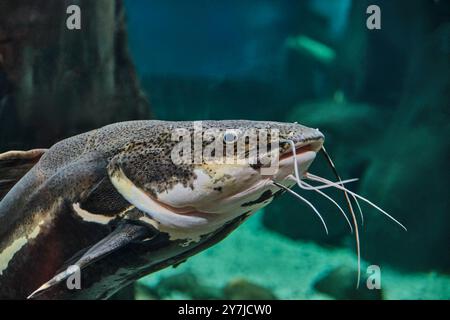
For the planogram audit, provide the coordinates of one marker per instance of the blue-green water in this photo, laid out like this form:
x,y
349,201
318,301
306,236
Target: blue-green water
x,y
288,268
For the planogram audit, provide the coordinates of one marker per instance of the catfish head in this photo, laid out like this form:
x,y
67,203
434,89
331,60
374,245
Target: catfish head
x,y
191,178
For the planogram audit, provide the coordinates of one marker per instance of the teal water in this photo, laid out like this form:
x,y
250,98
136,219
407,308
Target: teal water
x,y
288,268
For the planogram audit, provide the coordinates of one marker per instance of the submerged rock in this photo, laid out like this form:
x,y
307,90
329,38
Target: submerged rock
x,y
339,283
186,284
242,289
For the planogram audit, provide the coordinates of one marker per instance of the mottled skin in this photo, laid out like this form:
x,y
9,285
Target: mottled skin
x,y
39,225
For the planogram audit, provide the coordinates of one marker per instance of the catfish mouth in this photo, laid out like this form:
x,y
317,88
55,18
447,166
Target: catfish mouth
x,y
303,147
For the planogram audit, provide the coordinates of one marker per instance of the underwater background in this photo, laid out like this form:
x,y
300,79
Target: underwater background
x,y
381,97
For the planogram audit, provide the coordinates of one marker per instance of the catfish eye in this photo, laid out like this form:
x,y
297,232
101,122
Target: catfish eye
x,y
230,137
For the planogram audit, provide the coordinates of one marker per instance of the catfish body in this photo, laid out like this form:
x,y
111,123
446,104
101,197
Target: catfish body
x,y
113,202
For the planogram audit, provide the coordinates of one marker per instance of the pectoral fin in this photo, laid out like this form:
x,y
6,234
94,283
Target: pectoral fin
x,y
14,165
123,235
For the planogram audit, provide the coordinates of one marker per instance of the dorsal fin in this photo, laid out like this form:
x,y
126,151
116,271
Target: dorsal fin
x,y
14,165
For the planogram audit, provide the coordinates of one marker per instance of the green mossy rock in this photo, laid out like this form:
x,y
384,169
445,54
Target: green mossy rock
x,y
242,289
